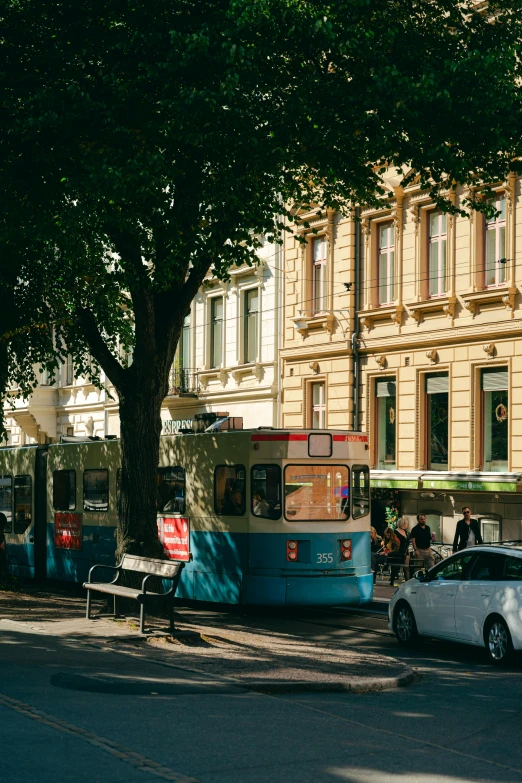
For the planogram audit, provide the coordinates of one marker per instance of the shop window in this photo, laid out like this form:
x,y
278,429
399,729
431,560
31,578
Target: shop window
x,y
96,490
251,325
23,503
437,253
386,405
495,415
216,331
491,530
64,490
316,493
265,483
171,490
6,502
184,344
229,490
386,263
319,275
495,246
360,491
437,420
318,406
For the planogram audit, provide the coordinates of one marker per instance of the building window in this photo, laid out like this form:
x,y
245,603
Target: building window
x,y
386,263
68,371
251,325
319,275
216,331
437,253
491,530
437,418
495,246
184,344
495,415
318,416
386,403
433,521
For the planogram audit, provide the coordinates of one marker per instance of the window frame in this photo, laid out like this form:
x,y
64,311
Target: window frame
x,y
65,470
97,510
247,359
261,466
319,273
244,506
427,422
442,263
314,465
386,255
495,224
174,467
320,407
377,426
213,322
482,408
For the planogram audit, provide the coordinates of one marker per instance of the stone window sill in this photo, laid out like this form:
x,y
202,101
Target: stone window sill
x,y
503,294
444,304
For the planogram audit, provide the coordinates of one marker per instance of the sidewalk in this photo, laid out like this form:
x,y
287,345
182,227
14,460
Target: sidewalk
x,y
281,656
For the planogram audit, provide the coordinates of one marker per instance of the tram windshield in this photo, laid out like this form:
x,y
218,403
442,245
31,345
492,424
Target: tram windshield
x,y
317,493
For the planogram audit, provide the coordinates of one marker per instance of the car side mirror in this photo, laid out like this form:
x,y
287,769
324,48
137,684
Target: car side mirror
x,y
421,575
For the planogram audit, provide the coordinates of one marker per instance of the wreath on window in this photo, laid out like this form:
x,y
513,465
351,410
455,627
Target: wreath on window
x,y
501,412
392,416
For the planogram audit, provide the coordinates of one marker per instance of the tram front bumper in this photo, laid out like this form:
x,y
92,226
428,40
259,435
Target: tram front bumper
x,y
329,590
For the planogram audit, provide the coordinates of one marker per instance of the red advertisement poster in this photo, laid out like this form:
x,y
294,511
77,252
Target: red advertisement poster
x,y
67,531
174,534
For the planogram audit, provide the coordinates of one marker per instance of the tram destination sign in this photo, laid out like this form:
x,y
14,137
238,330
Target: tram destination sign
x,y
174,534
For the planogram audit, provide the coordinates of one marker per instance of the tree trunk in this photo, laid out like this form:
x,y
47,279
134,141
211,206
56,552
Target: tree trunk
x,y
140,423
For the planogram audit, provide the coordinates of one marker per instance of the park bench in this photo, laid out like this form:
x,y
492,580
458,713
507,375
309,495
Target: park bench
x,y
163,569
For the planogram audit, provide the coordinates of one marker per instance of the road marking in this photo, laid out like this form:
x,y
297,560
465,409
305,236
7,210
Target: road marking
x,y
120,752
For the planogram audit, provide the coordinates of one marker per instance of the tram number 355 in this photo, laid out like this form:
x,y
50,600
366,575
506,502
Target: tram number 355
x,y
325,557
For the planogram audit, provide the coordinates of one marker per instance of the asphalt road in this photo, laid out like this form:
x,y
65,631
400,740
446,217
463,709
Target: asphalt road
x,y
72,712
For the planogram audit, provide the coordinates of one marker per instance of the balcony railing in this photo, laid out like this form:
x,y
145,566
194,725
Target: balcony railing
x,y
183,383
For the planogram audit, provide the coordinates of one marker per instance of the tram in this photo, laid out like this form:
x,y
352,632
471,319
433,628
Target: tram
x,y
272,517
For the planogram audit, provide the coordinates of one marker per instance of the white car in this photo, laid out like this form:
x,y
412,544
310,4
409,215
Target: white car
x,y
473,597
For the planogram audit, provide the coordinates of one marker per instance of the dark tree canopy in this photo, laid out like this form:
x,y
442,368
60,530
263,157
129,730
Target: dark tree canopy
x,y
143,142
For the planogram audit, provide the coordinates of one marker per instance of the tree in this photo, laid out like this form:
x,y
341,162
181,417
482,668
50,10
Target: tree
x,y
145,142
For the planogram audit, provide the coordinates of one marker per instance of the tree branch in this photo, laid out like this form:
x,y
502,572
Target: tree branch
x,y
99,350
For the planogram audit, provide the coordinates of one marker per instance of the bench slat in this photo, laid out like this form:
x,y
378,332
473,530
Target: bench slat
x,y
128,592
150,565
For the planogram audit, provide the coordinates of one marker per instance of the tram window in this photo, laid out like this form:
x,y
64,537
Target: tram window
x,y
171,490
360,491
96,490
265,483
6,502
229,490
23,503
64,490
317,493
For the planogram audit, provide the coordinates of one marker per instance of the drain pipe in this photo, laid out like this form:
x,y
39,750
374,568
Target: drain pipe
x,y
355,333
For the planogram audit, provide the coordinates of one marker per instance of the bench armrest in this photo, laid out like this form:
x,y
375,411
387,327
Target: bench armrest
x,y
174,579
112,568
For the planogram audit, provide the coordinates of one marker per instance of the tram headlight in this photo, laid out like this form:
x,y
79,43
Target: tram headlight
x,y
292,550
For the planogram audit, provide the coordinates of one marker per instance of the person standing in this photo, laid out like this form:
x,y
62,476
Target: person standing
x,y
467,532
401,557
421,540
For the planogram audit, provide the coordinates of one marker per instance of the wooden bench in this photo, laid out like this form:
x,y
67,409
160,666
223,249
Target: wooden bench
x,y
164,569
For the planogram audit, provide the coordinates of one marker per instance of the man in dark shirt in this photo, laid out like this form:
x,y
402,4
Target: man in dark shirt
x,y
421,540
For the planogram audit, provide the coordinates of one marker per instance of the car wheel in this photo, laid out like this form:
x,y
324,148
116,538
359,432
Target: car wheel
x,y
404,625
499,647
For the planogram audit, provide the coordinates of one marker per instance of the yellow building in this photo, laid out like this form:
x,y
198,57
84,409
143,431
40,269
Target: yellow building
x,y
435,366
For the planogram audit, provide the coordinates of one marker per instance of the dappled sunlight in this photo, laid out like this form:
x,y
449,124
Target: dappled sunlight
x,y
367,775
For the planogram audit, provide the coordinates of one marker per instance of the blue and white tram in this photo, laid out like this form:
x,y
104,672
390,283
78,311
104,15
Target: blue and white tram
x,y
275,517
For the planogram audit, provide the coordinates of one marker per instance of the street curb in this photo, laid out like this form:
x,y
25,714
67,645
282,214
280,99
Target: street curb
x,y
361,685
